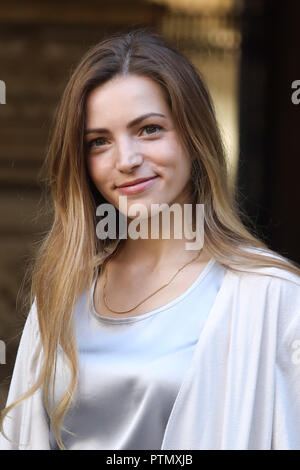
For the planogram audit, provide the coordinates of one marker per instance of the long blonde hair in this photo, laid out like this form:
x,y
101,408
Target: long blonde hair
x,y
70,253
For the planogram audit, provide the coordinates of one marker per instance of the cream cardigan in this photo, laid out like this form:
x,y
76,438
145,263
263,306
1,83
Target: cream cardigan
x,y
241,390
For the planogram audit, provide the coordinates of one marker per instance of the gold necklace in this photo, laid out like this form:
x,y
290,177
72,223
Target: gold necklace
x,y
165,285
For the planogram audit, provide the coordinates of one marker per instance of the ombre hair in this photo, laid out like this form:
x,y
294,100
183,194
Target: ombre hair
x,y
70,253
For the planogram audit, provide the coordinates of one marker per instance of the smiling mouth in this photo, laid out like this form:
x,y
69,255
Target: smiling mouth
x,y
135,182
137,187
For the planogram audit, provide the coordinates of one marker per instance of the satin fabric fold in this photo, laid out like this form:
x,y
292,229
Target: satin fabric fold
x,y
131,369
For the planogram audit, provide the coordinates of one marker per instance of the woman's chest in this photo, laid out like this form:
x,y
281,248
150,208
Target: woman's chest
x,y
136,295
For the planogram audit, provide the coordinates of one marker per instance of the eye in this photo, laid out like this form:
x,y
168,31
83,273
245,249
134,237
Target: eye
x,y
95,142
100,141
152,126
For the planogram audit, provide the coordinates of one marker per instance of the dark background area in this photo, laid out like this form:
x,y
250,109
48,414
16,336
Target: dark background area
x,y
269,160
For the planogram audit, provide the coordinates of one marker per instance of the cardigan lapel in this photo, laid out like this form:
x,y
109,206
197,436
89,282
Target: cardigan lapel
x,y
216,405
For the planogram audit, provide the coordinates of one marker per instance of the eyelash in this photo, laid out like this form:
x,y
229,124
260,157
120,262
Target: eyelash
x,y
90,144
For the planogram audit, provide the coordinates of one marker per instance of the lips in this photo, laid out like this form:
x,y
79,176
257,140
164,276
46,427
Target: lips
x,y
133,182
137,186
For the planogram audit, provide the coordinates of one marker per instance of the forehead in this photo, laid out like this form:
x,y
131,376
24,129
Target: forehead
x,y
125,97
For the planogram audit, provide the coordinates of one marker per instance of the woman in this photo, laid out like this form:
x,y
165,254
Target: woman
x,y
143,343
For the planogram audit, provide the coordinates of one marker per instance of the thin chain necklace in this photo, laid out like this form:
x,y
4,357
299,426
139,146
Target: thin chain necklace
x,y
165,285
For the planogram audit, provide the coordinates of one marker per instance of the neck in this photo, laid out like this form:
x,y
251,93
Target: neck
x,y
168,246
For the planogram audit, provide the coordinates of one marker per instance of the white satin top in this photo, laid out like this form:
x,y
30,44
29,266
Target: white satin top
x,y
131,369
240,391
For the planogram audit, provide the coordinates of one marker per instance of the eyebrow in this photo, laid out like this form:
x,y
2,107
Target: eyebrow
x,y
129,125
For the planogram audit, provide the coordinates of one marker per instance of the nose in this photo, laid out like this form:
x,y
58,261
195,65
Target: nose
x,y
127,157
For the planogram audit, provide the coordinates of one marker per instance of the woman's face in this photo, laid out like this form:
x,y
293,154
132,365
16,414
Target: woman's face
x,y
124,145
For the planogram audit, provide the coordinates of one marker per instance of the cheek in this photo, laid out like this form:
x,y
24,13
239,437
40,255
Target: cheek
x,y
180,165
173,156
97,171
186,167
166,162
